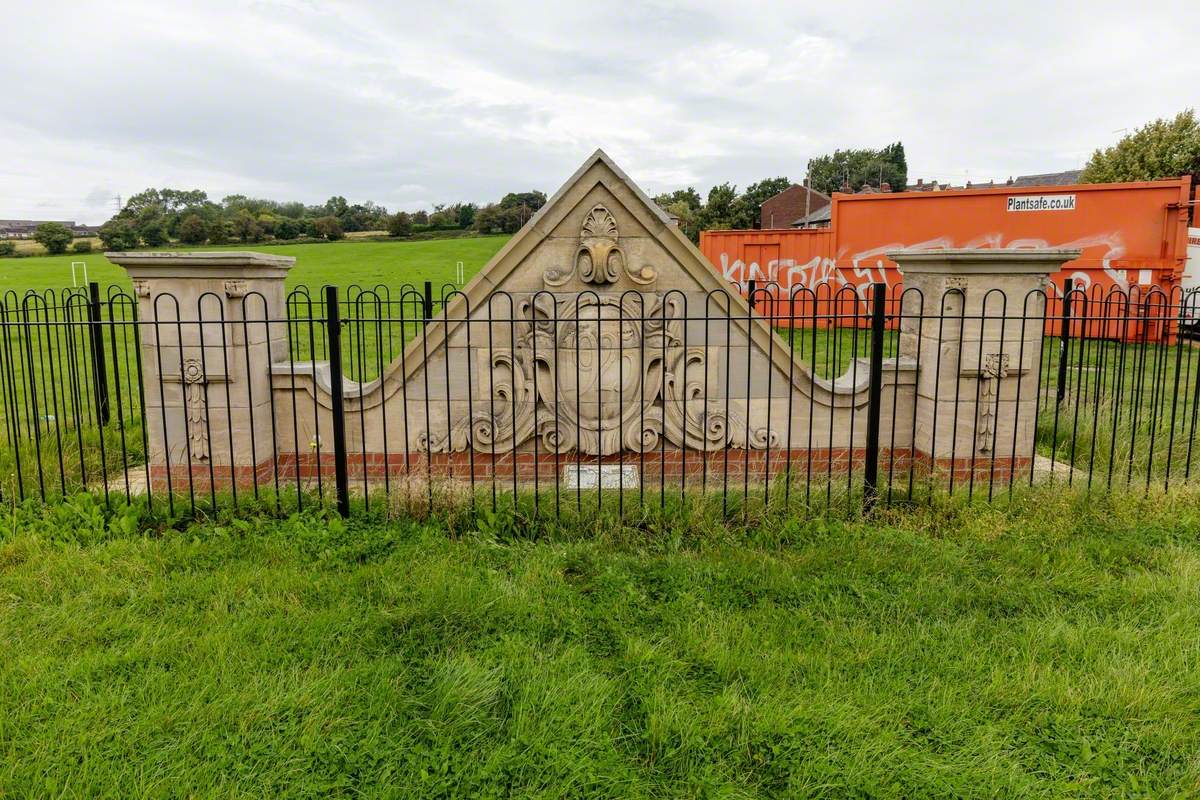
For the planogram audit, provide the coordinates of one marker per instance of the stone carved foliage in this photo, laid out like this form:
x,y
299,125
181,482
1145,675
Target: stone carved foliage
x,y
995,369
599,375
600,260
195,401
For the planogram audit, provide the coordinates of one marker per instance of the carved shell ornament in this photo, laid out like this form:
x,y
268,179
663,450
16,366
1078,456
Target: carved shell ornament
x,y
599,258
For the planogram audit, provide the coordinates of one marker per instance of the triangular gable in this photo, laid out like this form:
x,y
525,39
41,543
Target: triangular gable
x,y
552,236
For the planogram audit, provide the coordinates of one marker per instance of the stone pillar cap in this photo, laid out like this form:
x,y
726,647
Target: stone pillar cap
x,y
223,263
984,259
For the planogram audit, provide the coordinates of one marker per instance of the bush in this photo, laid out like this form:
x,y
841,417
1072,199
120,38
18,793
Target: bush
x,y
192,230
153,234
287,228
219,233
53,236
82,246
8,249
329,227
246,227
119,234
400,224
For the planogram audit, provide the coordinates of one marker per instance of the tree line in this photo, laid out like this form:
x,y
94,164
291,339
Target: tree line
x,y
1164,148
154,217
725,207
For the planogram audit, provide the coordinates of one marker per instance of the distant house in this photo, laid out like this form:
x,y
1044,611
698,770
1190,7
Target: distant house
x,y
1048,178
791,205
821,218
24,228
922,186
1043,179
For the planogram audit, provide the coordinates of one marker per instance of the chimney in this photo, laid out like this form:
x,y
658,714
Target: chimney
x,y
968,184
1009,180
920,182
885,187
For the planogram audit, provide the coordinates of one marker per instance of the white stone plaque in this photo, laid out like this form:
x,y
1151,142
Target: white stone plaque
x,y
600,476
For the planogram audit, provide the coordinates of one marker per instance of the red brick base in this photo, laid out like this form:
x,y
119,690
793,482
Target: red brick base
x,y
672,466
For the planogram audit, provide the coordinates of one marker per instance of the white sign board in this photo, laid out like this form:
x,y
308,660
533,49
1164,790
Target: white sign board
x,y
1042,202
600,476
1191,269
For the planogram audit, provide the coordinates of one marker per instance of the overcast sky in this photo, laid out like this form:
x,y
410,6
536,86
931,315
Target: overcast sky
x,y
448,101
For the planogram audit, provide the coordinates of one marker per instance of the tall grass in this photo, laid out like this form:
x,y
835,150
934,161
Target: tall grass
x,y
949,651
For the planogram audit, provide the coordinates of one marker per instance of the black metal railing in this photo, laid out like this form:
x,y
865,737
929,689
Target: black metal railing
x,y
694,399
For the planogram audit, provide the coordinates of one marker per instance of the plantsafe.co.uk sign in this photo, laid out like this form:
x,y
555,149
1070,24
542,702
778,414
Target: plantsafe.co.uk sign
x,y
1042,202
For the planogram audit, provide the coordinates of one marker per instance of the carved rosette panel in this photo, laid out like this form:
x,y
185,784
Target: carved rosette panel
x,y
599,375
195,400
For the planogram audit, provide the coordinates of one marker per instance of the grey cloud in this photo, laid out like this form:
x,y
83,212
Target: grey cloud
x,y
465,101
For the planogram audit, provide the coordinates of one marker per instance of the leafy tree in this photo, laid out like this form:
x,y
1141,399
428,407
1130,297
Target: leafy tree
x,y
219,232
288,228
246,227
53,236
153,232
443,217
718,212
521,206
530,200
420,217
293,210
329,227
490,219
859,168
689,197
747,208
466,214
193,230
266,223
400,224
119,234
7,248
689,218
336,206
1160,149
82,246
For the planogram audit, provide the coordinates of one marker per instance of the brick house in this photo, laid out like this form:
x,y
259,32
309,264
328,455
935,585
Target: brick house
x,y
791,205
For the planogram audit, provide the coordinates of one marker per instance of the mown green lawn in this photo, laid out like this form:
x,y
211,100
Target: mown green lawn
x,y
392,263
1050,651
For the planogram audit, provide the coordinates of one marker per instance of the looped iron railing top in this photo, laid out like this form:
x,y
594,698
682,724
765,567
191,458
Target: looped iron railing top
x,y
1115,399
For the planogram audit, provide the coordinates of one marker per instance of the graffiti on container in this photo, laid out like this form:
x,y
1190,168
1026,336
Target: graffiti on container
x,y
782,276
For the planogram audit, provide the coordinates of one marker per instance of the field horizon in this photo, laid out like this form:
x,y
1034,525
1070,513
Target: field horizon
x,y
367,262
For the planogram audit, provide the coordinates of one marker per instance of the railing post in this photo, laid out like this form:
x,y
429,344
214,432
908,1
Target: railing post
x,y
1064,340
333,325
96,338
751,285
428,301
874,396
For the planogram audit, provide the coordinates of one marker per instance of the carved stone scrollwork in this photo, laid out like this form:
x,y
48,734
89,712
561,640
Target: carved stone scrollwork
x,y
599,258
235,288
141,287
194,381
599,375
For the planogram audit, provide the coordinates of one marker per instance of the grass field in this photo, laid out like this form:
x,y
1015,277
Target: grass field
x,y
1049,652
340,263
